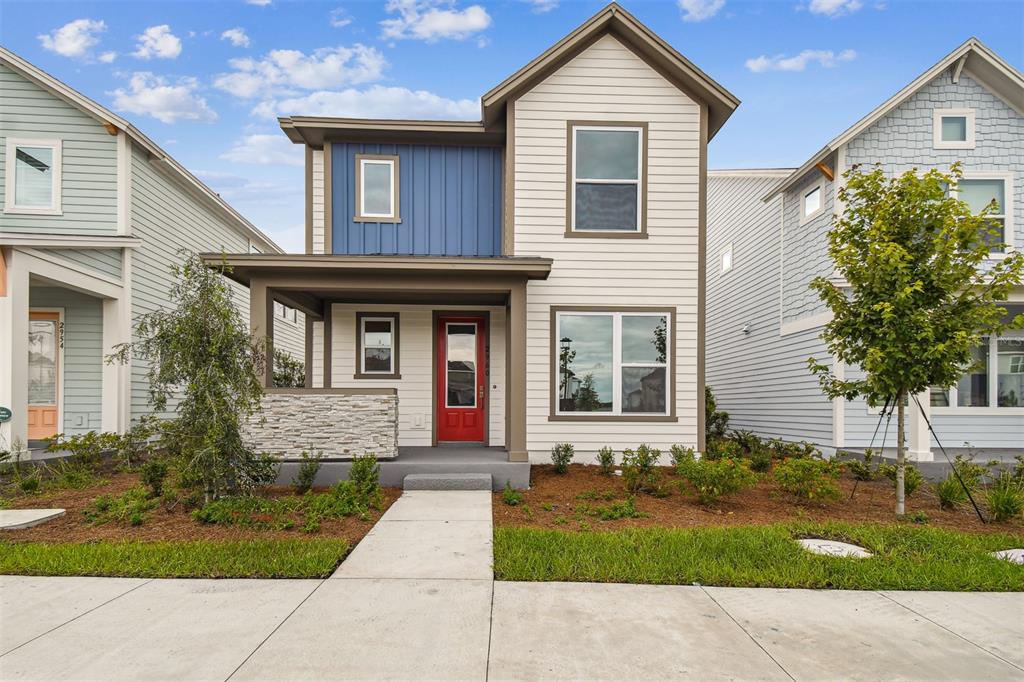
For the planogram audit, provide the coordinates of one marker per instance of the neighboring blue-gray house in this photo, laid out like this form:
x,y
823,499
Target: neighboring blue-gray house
x,y
767,240
93,216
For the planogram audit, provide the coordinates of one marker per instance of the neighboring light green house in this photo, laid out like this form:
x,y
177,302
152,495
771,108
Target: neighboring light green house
x,y
93,216
767,238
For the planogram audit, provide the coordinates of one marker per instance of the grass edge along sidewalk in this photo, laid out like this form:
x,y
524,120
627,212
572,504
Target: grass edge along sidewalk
x,y
905,557
291,558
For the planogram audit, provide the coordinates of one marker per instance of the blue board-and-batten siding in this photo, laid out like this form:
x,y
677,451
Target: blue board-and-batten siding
x,y
450,202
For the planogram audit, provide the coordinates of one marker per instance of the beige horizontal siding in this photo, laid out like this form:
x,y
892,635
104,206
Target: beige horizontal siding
x,y
318,201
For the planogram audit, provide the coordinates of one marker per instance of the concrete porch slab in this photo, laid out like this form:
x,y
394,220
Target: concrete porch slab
x,y
163,630
32,606
588,631
830,634
13,519
381,630
448,505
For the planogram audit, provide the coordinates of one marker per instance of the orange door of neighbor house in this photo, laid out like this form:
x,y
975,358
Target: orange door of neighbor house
x,y
461,379
44,341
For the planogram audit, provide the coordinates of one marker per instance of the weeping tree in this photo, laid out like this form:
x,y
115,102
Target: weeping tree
x,y
917,299
203,362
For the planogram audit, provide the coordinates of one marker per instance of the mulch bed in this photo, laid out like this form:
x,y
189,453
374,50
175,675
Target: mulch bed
x,y
163,523
552,501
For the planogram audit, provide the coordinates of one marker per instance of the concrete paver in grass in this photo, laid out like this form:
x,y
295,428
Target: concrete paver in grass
x,y
13,519
381,629
163,630
618,632
829,634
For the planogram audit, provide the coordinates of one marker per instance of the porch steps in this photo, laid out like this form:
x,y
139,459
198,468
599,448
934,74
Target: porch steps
x,y
447,482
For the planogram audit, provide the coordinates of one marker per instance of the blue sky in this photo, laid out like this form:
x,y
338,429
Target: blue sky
x,y
205,80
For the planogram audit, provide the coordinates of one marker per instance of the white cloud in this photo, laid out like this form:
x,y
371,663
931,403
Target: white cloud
x,y
164,100
275,149
699,10
834,8
157,41
377,101
432,20
108,57
826,58
543,6
237,36
339,18
285,71
258,3
74,38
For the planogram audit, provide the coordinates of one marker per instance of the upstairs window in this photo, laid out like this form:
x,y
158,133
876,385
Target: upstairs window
x,y
377,346
810,203
980,193
606,187
376,188
953,129
33,177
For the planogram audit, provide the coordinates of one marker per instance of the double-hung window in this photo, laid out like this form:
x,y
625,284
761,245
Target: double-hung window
x,y
606,179
377,188
33,176
377,346
981,193
615,363
996,378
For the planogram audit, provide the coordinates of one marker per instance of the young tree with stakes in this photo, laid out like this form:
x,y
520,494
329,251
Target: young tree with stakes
x,y
916,298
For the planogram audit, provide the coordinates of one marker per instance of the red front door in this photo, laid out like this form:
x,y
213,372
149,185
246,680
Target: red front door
x,y
461,379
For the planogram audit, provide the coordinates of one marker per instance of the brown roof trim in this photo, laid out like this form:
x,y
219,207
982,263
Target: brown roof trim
x,y
613,19
315,130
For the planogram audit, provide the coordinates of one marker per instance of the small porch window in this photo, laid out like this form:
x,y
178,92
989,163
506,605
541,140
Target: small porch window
x,y
377,346
377,189
33,178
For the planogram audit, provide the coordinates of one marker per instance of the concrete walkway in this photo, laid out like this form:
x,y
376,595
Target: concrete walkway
x,y
415,600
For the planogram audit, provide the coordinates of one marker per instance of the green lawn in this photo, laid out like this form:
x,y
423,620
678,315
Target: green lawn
x,y
300,558
906,557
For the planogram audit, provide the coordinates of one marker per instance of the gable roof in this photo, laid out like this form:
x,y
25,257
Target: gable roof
x,y
614,20
985,66
164,160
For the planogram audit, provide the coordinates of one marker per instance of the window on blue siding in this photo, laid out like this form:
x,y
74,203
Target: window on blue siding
x,y
377,188
607,179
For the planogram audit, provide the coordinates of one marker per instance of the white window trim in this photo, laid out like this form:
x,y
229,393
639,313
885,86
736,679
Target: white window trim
x,y
617,364
992,409
55,207
727,251
639,181
476,365
362,344
1008,201
363,213
938,142
820,186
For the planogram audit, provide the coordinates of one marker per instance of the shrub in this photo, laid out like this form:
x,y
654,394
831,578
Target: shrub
x,y
136,441
29,484
1005,497
606,459
85,448
288,372
918,517
365,477
130,507
249,511
760,459
623,509
680,455
971,472
950,493
638,470
308,468
912,478
745,439
722,449
785,450
154,473
511,496
863,470
716,478
561,456
808,479
70,474
716,422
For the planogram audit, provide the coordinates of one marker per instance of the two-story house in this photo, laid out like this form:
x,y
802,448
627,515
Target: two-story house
x,y
528,279
768,239
94,214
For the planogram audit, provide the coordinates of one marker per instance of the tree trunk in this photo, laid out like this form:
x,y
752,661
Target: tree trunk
x,y
900,452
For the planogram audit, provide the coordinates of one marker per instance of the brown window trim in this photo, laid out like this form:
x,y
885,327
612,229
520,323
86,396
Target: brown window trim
x,y
395,373
570,172
553,415
395,190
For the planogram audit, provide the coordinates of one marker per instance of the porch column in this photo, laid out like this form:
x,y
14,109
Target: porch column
x,y
515,400
261,324
919,440
115,390
13,348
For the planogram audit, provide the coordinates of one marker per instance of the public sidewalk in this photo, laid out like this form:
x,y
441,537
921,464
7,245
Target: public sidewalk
x,y
416,600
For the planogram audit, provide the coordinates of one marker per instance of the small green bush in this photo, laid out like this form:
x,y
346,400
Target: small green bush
x,y
69,474
722,449
249,511
912,477
863,470
1005,497
950,493
623,509
365,476
717,478
511,496
679,455
760,459
786,450
606,460
971,472
154,473
308,468
745,439
561,456
638,472
716,422
918,517
808,479
30,483
130,507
